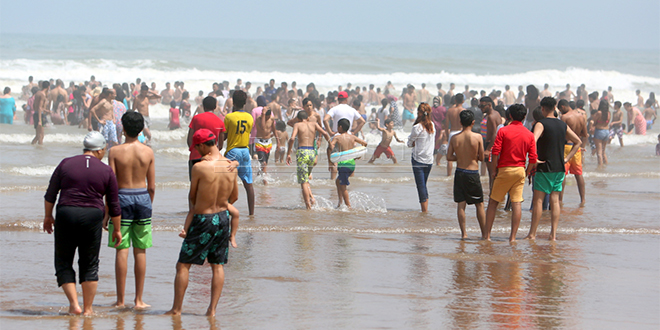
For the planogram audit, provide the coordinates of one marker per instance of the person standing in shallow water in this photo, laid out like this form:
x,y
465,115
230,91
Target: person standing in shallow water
x,y
79,221
422,140
133,163
551,134
467,149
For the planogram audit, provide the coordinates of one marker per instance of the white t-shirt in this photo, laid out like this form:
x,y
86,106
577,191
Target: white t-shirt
x,y
424,142
343,111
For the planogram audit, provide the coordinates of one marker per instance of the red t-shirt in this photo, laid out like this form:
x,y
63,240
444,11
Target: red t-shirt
x,y
209,121
513,143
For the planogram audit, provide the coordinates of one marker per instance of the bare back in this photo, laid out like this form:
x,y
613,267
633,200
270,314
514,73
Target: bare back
x,y
576,122
453,118
133,163
493,119
212,186
469,149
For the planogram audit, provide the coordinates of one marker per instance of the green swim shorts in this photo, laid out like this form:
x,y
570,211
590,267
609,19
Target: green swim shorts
x,y
548,182
135,219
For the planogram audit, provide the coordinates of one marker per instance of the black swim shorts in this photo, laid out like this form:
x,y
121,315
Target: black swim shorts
x,y
467,187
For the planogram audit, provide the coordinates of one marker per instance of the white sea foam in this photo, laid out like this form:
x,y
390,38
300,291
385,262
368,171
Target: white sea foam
x,y
13,73
29,170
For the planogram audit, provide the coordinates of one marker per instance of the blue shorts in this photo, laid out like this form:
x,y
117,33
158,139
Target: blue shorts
x,y
242,155
407,115
602,134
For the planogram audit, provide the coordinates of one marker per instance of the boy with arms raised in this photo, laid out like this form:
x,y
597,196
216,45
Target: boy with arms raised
x,y
305,130
467,149
132,163
344,141
386,139
207,231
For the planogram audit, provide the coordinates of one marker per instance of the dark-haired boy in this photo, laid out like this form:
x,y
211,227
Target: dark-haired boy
x,y
305,130
467,149
263,142
386,139
133,163
512,146
239,125
282,137
616,126
551,134
207,231
344,141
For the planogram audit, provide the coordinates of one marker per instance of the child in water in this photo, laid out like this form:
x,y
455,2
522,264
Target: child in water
x,y
386,139
174,116
282,137
344,141
657,147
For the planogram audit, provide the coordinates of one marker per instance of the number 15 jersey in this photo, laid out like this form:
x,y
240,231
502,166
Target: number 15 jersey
x,y
238,125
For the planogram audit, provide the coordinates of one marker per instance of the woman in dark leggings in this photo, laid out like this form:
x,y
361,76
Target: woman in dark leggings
x,y
422,140
81,181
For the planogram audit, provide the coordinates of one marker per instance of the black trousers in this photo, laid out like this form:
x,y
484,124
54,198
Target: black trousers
x,y
77,228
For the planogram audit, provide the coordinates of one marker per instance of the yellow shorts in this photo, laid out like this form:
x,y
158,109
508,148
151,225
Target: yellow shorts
x,y
574,166
508,180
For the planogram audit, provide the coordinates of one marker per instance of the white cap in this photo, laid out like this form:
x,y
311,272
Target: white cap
x,y
94,141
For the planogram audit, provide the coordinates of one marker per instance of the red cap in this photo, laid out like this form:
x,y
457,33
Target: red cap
x,y
202,135
342,95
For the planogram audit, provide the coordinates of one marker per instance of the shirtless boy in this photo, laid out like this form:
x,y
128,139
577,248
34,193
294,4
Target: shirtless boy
x,y
649,114
141,105
616,129
493,119
467,149
305,130
577,123
386,139
344,141
409,100
282,137
263,142
40,110
104,114
132,163
207,232
452,123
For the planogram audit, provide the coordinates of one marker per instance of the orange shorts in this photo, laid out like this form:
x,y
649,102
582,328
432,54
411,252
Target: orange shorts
x,y
510,180
574,166
379,150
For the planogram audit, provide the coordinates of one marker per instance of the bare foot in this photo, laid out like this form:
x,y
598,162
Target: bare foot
x,y
512,240
75,310
583,204
464,236
530,237
173,312
118,305
89,312
210,312
141,305
232,240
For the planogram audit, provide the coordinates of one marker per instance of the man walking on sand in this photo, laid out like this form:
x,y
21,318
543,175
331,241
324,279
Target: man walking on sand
x,y
207,231
467,149
133,163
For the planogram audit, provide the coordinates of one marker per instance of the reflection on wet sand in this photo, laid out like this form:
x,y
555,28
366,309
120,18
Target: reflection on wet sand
x,y
527,288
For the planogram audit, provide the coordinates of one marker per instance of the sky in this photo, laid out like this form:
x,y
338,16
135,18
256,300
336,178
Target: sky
x,y
632,24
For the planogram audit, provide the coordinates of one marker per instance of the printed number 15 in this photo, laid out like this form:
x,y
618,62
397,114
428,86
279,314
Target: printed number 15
x,y
241,126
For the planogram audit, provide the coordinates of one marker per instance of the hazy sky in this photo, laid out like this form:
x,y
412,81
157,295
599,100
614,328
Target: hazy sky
x,y
555,23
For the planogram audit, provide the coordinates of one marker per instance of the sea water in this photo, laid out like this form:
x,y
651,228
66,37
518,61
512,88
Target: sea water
x,y
382,264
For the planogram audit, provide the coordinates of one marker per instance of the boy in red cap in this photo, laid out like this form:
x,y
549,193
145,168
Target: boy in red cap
x,y
207,231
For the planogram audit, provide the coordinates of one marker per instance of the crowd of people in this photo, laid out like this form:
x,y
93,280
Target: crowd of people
x,y
533,135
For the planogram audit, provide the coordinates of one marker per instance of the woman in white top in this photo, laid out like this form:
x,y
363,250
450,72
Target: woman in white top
x,y
421,139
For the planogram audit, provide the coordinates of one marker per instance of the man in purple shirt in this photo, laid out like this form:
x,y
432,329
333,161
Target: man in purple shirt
x,y
82,181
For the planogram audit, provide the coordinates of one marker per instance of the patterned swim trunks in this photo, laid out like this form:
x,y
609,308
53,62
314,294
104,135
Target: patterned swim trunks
x,y
305,159
207,239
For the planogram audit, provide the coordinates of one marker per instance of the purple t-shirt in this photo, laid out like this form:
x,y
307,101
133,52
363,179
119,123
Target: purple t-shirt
x,y
83,181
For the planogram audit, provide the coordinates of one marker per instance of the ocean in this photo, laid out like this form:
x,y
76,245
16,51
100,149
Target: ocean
x,y
381,264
